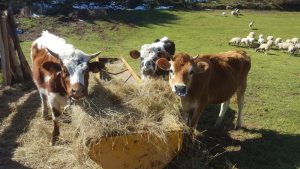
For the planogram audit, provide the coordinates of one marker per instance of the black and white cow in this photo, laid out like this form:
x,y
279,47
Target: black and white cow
x,y
149,53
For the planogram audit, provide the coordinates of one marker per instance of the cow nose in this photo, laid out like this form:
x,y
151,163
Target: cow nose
x,y
77,91
180,90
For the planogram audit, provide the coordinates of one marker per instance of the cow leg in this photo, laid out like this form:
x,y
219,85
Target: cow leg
x,y
55,132
224,107
44,106
55,107
240,100
195,118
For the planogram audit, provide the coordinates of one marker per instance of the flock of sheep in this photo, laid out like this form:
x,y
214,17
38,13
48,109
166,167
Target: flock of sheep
x,y
292,46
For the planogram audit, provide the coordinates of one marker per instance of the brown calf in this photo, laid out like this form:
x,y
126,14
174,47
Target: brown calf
x,y
208,79
60,76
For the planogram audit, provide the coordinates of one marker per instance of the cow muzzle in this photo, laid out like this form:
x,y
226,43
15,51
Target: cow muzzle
x,y
78,91
180,90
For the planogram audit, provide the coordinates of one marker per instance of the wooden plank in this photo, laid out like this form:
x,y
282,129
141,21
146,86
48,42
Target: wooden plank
x,y
24,64
134,75
7,77
15,60
2,53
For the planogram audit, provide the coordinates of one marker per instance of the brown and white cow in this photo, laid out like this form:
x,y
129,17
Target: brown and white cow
x,y
208,79
149,53
61,73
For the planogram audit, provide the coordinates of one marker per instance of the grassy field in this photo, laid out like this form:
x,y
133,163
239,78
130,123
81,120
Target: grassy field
x,y
271,136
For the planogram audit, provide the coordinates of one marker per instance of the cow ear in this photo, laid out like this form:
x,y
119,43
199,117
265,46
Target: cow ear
x,y
163,63
135,54
51,67
162,54
201,67
96,67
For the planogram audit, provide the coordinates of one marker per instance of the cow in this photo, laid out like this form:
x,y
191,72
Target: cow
x,y
60,73
149,53
208,79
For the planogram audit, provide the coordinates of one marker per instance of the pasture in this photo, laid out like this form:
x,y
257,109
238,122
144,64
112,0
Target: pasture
x,y
270,137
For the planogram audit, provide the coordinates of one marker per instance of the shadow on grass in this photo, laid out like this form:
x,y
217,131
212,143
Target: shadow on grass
x,y
139,18
245,148
18,125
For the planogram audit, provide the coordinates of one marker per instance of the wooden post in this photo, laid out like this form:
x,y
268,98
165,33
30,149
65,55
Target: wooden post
x,y
24,64
15,60
7,68
2,53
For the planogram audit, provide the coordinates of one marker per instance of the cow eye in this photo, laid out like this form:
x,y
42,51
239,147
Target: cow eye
x,y
191,71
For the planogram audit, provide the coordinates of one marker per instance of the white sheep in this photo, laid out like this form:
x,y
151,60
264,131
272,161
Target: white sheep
x,y
251,41
297,46
269,38
245,41
277,40
264,47
295,40
251,35
261,36
261,41
283,45
223,13
251,24
291,49
234,13
288,41
235,41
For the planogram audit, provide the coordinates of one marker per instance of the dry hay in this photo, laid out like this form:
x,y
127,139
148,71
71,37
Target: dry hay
x,y
112,108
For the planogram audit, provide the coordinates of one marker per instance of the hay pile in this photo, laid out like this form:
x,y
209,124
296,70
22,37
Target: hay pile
x,y
112,108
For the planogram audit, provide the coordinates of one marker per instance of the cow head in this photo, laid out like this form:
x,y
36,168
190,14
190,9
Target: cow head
x,y
149,55
74,72
181,70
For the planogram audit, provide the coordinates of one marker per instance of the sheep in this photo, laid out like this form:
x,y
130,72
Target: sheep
x,y
234,13
251,41
235,41
251,35
245,41
297,46
251,24
229,7
295,40
261,36
223,13
270,38
291,49
261,41
277,40
283,45
288,40
264,47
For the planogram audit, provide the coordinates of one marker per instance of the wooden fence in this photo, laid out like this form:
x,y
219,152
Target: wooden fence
x,y
14,66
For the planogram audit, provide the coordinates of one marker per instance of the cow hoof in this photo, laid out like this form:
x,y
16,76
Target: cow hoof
x,y
237,127
53,141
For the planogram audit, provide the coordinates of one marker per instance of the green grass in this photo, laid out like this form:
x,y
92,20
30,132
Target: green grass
x,y
272,110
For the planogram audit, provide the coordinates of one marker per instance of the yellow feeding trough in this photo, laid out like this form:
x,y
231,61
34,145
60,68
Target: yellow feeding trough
x,y
136,150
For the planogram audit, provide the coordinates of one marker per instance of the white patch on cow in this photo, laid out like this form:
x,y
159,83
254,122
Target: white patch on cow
x,y
149,54
74,59
57,101
47,78
171,72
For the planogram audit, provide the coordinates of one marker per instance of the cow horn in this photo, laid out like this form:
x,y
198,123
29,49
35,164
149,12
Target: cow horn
x,y
92,56
53,53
